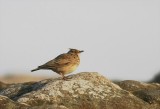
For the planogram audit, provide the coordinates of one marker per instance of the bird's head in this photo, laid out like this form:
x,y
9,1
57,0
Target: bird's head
x,y
75,51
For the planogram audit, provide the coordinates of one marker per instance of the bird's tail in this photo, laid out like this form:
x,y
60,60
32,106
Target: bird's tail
x,y
34,69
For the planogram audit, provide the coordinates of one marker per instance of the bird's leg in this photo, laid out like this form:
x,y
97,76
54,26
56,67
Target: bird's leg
x,y
63,77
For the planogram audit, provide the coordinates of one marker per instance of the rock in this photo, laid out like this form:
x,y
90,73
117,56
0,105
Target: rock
x,y
3,85
156,78
131,85
149,92
151,96
15,90
6,103
80,91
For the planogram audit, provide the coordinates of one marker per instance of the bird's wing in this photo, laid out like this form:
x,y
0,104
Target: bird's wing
x,y
59,61
62,59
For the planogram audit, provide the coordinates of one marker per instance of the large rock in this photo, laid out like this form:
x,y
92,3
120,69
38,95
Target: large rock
x,y
156,78
15,90
149,92
80,91
6,103
131,85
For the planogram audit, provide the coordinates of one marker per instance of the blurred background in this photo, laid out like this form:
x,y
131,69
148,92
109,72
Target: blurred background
x,y
121,38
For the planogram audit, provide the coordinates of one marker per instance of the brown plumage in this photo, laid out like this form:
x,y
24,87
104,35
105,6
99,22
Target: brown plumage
x,y
63,64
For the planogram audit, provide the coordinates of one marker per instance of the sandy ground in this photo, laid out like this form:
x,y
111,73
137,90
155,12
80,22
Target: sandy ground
x,y
20,78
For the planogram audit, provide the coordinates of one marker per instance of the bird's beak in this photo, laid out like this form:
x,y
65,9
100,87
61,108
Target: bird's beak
x,y
81,51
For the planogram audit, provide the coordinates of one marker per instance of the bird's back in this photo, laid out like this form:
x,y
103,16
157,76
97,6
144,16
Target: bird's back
x,y
64,63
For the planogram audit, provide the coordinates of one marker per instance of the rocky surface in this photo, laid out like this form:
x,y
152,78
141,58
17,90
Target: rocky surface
x,y
86,90
149,92
156,78
6,103
131,85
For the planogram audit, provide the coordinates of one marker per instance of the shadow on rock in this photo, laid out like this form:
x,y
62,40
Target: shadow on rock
x,y
85,90
14,91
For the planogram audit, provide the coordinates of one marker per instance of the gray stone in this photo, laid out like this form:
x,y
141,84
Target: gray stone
x,y
86,90
6,103
131,85
149,92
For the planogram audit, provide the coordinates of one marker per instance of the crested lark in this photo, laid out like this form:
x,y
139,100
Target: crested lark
x,y
63,64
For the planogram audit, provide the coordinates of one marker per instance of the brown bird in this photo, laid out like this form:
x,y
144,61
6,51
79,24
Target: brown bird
x,y
64,63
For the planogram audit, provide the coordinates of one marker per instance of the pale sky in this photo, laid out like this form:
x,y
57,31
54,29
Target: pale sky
x,y
121,38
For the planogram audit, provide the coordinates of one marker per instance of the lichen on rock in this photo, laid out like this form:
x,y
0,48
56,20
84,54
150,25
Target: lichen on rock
x,y
86,90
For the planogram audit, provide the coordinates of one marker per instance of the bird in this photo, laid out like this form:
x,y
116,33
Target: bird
x,y
63,64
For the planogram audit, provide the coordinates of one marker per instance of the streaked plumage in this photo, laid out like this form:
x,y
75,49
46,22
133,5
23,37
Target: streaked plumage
x,y
64,63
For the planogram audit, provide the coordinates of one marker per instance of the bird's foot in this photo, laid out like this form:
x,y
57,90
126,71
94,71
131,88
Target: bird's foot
x,y
64,78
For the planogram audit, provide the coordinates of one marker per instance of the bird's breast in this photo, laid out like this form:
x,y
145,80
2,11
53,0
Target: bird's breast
x,y
69,69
